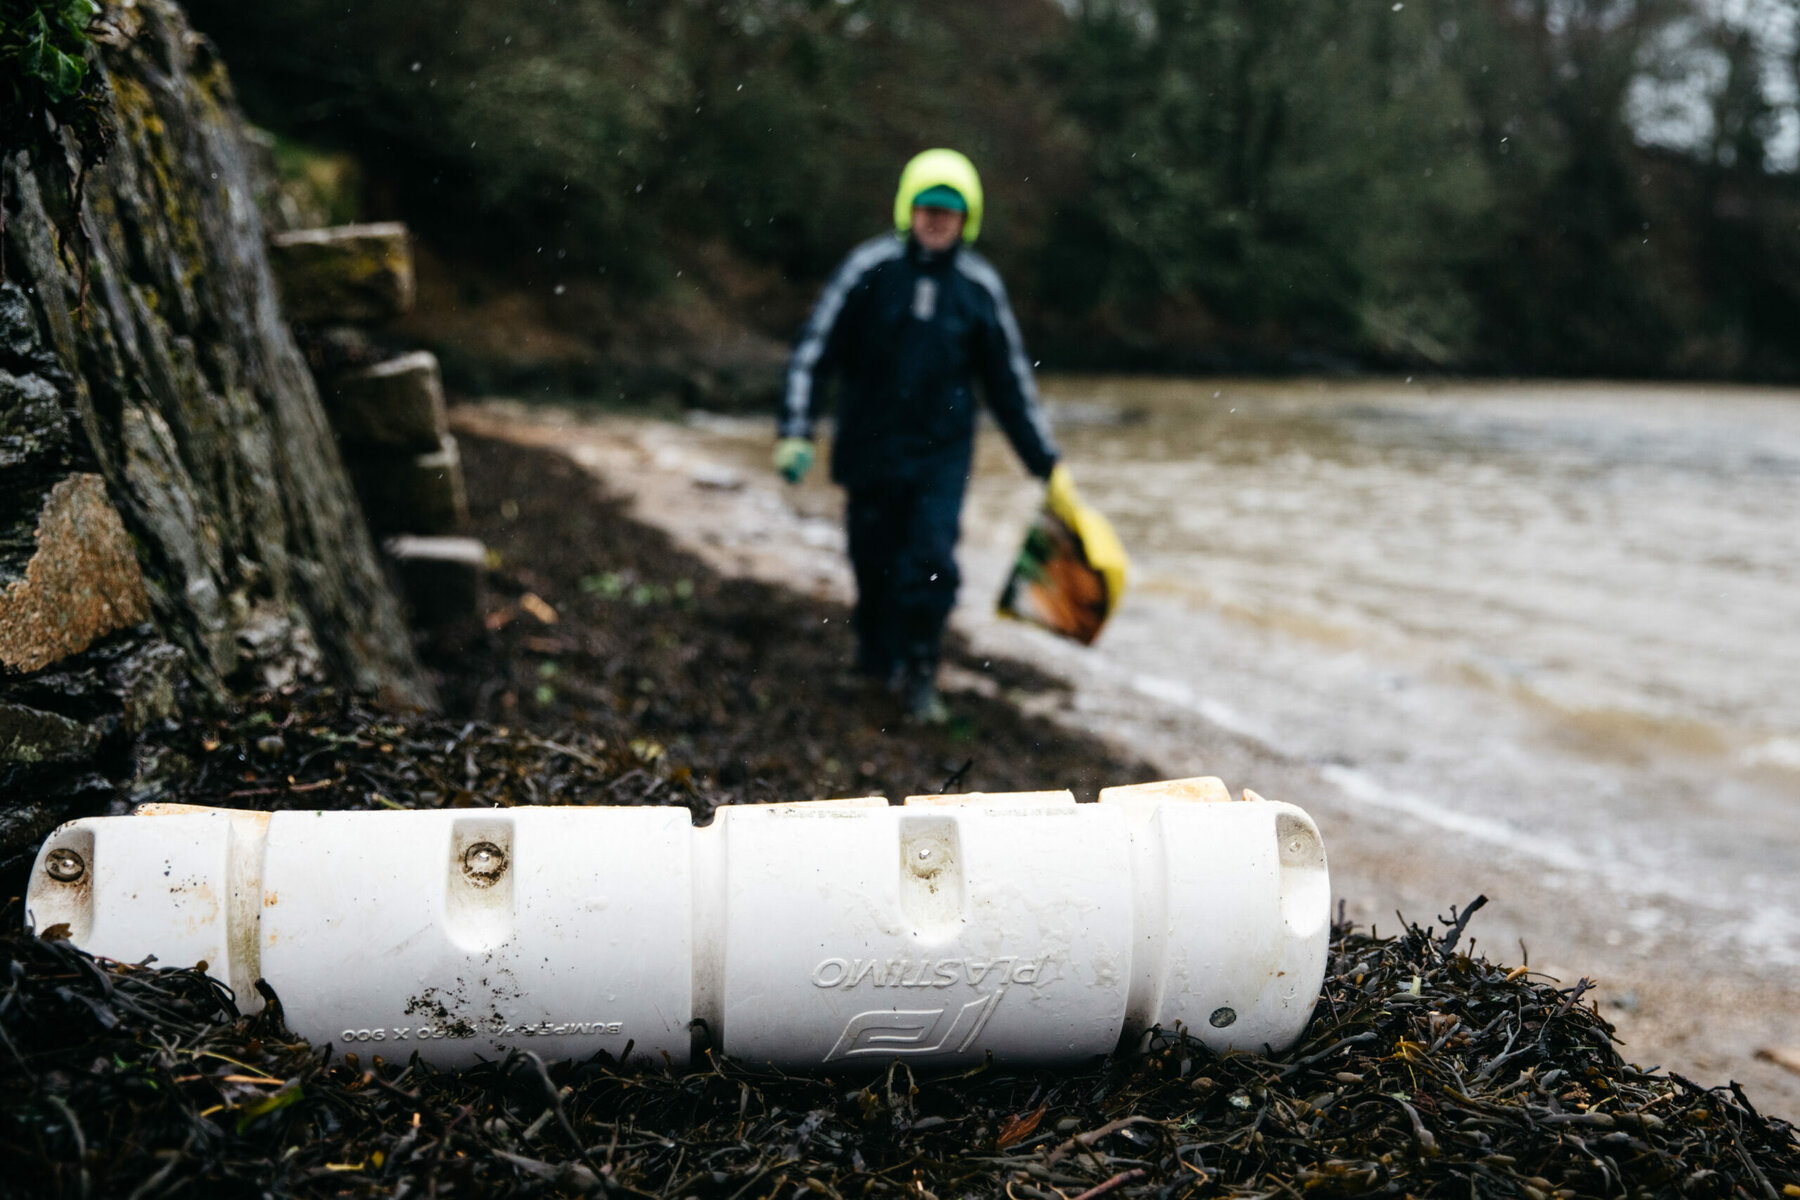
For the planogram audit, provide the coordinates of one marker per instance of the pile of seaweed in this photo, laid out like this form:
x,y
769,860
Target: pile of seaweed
x,y
1426,1070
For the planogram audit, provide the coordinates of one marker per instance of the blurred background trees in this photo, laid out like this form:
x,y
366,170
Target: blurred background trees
x,y
1547,186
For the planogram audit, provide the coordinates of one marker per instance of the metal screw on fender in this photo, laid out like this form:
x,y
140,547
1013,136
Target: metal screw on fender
x,y
65,866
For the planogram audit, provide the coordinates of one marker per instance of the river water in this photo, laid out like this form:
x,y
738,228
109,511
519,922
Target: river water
x,y
1562,621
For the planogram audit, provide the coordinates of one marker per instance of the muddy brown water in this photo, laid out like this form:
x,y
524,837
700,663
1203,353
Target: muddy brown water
x,y
1537,641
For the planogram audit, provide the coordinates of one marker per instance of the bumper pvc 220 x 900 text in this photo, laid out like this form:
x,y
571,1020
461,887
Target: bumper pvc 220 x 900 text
x,y
940,931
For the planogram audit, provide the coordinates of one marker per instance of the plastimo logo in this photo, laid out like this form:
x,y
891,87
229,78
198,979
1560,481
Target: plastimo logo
x,y
926,972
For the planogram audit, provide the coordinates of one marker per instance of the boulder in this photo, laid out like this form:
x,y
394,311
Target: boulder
x,y
395,405
442,579
421,493
82,582
344,274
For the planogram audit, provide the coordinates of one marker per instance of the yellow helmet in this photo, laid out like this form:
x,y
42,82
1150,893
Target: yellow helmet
x,y
935,168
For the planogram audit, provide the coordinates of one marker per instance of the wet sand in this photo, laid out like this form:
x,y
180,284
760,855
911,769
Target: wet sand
x,y
1684,999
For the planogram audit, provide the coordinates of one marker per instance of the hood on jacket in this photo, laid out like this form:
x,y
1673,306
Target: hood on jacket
x,y
939,168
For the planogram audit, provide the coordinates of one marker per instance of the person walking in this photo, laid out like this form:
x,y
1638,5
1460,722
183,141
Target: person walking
x,y
908,324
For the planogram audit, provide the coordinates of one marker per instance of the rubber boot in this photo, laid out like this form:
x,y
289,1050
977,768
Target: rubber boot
x,y
923,704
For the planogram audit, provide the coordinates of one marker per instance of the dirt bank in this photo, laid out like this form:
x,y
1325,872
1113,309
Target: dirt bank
x,y
1679,1001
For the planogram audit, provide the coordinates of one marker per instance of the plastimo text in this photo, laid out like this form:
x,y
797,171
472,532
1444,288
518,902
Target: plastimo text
x,y
926,972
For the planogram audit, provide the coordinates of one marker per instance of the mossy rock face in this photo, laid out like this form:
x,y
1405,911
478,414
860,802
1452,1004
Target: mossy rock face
x,y
346,274
176,374
170,490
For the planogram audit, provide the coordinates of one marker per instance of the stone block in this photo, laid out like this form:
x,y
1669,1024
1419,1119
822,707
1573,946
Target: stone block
x,y
420,493
393,405
81,583
343,274
442,579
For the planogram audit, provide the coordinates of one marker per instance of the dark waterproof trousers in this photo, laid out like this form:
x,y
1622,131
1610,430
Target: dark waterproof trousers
x,y
902,547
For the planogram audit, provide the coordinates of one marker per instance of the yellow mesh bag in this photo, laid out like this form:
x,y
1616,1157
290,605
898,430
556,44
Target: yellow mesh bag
x,y
1071,568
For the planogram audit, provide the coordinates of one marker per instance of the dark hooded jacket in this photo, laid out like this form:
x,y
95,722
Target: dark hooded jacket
x,y
908,333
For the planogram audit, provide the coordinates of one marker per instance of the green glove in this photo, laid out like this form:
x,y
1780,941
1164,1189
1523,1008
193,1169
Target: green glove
x,y
794,458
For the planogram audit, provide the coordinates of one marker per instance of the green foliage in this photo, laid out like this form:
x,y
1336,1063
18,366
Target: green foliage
x,y
324,187
610,132
1170,182
44,72
1287,164
46,39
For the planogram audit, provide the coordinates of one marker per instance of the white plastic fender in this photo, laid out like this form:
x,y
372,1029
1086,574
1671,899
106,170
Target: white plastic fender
x,y
831,932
